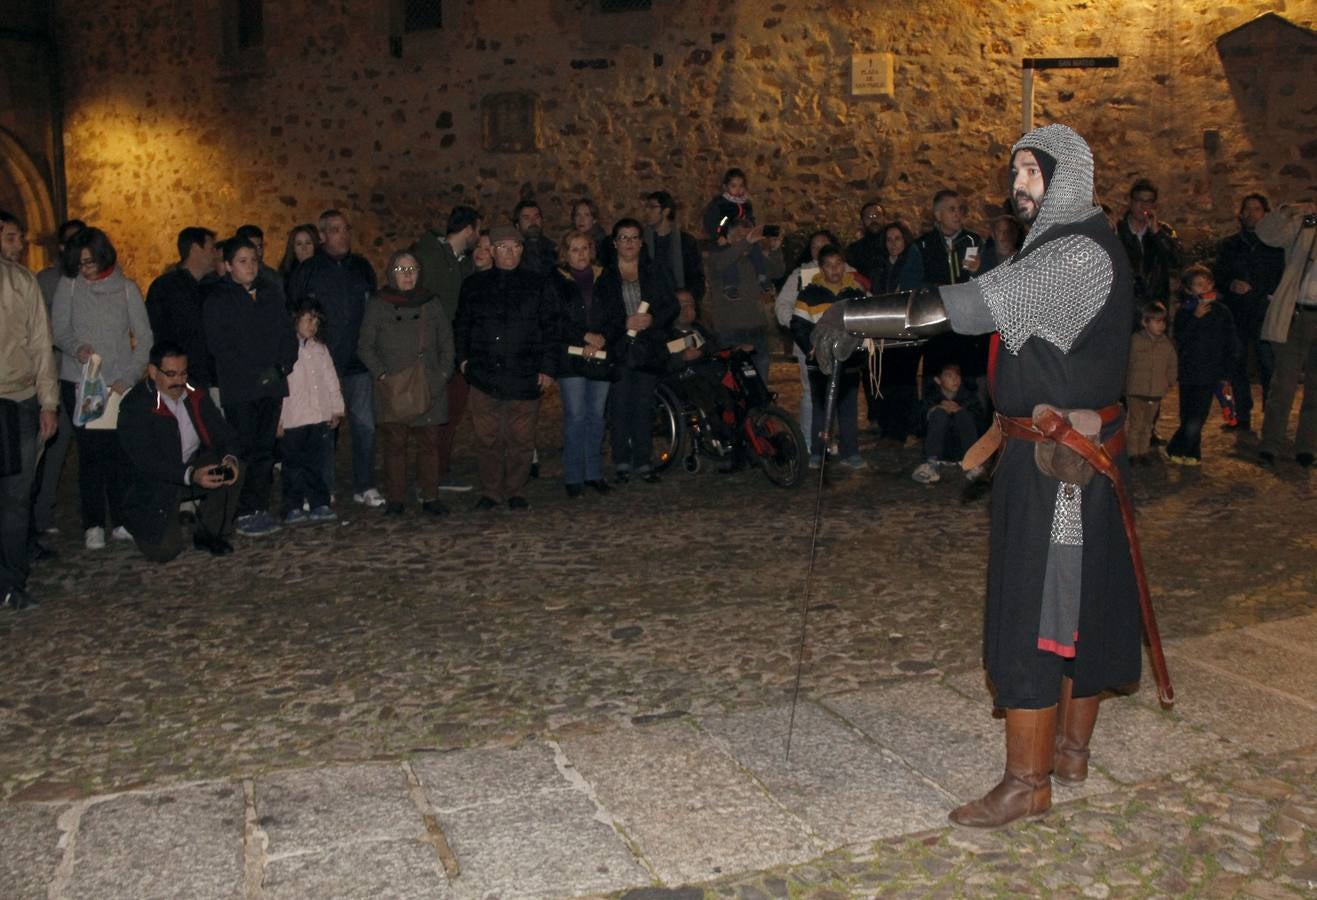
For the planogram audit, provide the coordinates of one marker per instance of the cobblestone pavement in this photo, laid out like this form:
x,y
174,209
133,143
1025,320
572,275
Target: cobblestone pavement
x,y
654,608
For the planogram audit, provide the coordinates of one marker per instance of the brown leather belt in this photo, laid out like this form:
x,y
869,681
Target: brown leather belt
x,y
1051,426
1022,428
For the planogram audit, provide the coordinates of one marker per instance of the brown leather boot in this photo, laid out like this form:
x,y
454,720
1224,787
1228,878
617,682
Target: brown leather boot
x,y
1074,727
1025,789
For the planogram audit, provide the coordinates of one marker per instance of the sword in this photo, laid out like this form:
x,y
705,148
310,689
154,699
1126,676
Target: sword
x,y
829,406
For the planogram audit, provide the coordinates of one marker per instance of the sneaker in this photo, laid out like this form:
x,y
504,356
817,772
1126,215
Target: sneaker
x,y
94,539
855,462
975,473
257,524
1183,460
926,473
449,484
321,514
370,497
816,462
16,598
297,517
121,534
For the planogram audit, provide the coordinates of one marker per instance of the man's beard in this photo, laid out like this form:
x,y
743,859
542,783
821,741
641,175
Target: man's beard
x,y
1023,216
534,231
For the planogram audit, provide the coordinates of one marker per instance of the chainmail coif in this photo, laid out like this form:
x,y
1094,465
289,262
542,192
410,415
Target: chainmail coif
x,y
1069,195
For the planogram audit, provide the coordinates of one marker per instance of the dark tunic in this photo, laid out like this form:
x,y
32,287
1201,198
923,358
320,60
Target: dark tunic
x,y
1090,376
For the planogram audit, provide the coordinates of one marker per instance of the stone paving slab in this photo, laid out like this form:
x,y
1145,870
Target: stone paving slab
x,y
950,739
379,870
521,827
312,810
845,787
184,842
1248,715
29,849
1296,634
544,845
692,811
1238,652
488,774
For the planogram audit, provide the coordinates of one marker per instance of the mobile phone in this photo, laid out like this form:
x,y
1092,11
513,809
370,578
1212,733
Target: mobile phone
x,y
772,230
223,472
970,253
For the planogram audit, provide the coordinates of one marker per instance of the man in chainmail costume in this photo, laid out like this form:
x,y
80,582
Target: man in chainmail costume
x,y
1062,618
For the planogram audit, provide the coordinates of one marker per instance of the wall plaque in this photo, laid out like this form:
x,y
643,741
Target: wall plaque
x,y
873,74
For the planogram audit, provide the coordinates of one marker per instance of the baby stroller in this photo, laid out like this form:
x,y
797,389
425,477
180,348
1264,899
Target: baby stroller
x,y
720,407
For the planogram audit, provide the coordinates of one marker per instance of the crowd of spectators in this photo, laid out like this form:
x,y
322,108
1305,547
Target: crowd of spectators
x,y
230,371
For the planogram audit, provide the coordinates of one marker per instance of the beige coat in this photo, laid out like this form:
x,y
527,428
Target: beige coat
x,y
1152,365
1283,227
27,360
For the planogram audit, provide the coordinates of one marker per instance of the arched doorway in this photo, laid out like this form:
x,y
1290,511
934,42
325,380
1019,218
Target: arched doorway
x,y
22,184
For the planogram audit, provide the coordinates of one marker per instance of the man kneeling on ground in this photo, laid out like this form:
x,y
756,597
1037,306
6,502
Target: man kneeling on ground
x,y
180,448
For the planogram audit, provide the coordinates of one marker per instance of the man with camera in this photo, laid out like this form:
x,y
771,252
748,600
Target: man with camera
x,y
180,448
1291,327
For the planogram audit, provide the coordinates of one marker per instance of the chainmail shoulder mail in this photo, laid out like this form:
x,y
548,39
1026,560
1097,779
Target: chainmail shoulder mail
x,y
1051,292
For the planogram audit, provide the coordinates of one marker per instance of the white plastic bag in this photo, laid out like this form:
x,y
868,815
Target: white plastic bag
x,y
92,395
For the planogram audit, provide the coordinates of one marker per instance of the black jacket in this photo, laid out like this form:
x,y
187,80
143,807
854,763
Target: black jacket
x,y
868,256
603,316
692,260
1153,257
342,286
148,433
648,350
1206,346
507,333
1245,258
252,340
173,304
937,265
539,256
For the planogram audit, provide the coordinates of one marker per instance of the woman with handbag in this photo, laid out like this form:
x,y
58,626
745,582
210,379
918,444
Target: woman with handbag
x,y
645,292
592,328
407,344
98,311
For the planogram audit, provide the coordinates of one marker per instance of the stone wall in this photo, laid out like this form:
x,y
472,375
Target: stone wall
x,y
165,128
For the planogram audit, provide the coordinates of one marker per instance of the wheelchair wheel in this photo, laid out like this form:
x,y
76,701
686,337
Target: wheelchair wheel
x,y
779,446
668,429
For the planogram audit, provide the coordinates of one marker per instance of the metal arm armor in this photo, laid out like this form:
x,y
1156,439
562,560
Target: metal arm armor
x,y
906,315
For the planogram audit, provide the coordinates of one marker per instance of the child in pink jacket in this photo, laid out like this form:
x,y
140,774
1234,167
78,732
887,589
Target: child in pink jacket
x,y
311,412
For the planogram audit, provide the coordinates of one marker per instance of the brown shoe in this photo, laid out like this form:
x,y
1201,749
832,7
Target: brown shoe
x,y
1025,789
1075,719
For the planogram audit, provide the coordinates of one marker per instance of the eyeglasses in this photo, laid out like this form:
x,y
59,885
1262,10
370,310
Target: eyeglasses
x,y
173,373
89,264
401,269
508,245
872,217
627,238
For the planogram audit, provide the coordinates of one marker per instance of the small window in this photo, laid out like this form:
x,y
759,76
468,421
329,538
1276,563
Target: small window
x,y
612,6
421,15
251,23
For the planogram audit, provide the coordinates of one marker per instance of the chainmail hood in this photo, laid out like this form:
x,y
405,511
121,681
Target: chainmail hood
x,y
1069,195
